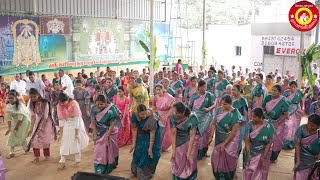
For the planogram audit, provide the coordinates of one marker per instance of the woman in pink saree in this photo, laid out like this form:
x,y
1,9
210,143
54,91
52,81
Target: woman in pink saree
x,y
226,145
162,104
307,149
125,132
258,141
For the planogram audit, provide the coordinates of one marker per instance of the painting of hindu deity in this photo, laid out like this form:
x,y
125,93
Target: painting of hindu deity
x,y
55,25
25,35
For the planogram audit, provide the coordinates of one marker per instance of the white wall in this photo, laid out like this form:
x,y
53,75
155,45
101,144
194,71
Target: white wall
x,y
222,41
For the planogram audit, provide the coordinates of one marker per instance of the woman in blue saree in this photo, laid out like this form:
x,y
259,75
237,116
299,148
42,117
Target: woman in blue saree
x,y
184,144
105,123
147,133
276,107
226,145
202,104
295,96
258,142
307,148
241,104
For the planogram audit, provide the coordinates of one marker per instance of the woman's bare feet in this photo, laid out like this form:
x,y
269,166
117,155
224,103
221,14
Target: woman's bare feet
x,y
274,161
207,155
47,158
61,167
36,160
10,156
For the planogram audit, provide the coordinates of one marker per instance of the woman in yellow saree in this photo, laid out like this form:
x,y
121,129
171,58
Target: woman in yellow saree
x,y
138,94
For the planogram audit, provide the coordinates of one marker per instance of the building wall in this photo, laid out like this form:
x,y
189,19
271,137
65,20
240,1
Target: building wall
x,y
221,41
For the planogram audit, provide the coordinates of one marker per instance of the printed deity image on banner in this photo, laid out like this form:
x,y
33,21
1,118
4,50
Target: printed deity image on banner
x,y
26,43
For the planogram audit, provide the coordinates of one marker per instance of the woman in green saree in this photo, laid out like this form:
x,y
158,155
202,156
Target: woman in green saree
x,y
307,149
202,104
226,127
241,104
219,87
276,107
258,93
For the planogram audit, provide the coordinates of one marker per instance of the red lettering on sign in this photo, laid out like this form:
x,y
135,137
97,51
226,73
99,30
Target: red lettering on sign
x,y
278,50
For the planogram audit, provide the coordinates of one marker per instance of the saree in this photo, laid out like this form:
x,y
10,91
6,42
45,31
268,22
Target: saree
x,y
258,94
181,168
90,86
188,93
176,85
125,131
106,153
139,93
220,88
294,120
197,104
210,83
83,99
224,164
274,109
171,91
116,82
309,149
259,138
242,105
310,99
3,97
14,115
314,108
142,166
111,92
163,105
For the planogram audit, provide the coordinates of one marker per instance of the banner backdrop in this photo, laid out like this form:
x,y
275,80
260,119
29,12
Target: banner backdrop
x,y
48,43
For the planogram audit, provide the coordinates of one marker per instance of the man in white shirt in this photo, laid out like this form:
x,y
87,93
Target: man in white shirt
x,y
246,74
19,85
36,83
66,83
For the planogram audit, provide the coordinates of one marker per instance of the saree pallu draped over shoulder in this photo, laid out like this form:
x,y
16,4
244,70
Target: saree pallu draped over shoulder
x,y
142,166
259,138
294,119
106,153
181,167
224,164
275,109
198,103
309,150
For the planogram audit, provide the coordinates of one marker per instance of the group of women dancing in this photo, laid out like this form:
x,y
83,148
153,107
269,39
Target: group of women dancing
x,y
187,119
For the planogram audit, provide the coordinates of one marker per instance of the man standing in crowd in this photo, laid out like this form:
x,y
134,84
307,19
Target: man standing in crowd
x,y
36,83
19,85
66,83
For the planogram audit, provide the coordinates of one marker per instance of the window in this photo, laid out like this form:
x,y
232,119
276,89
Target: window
x,y
238,50
268,50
